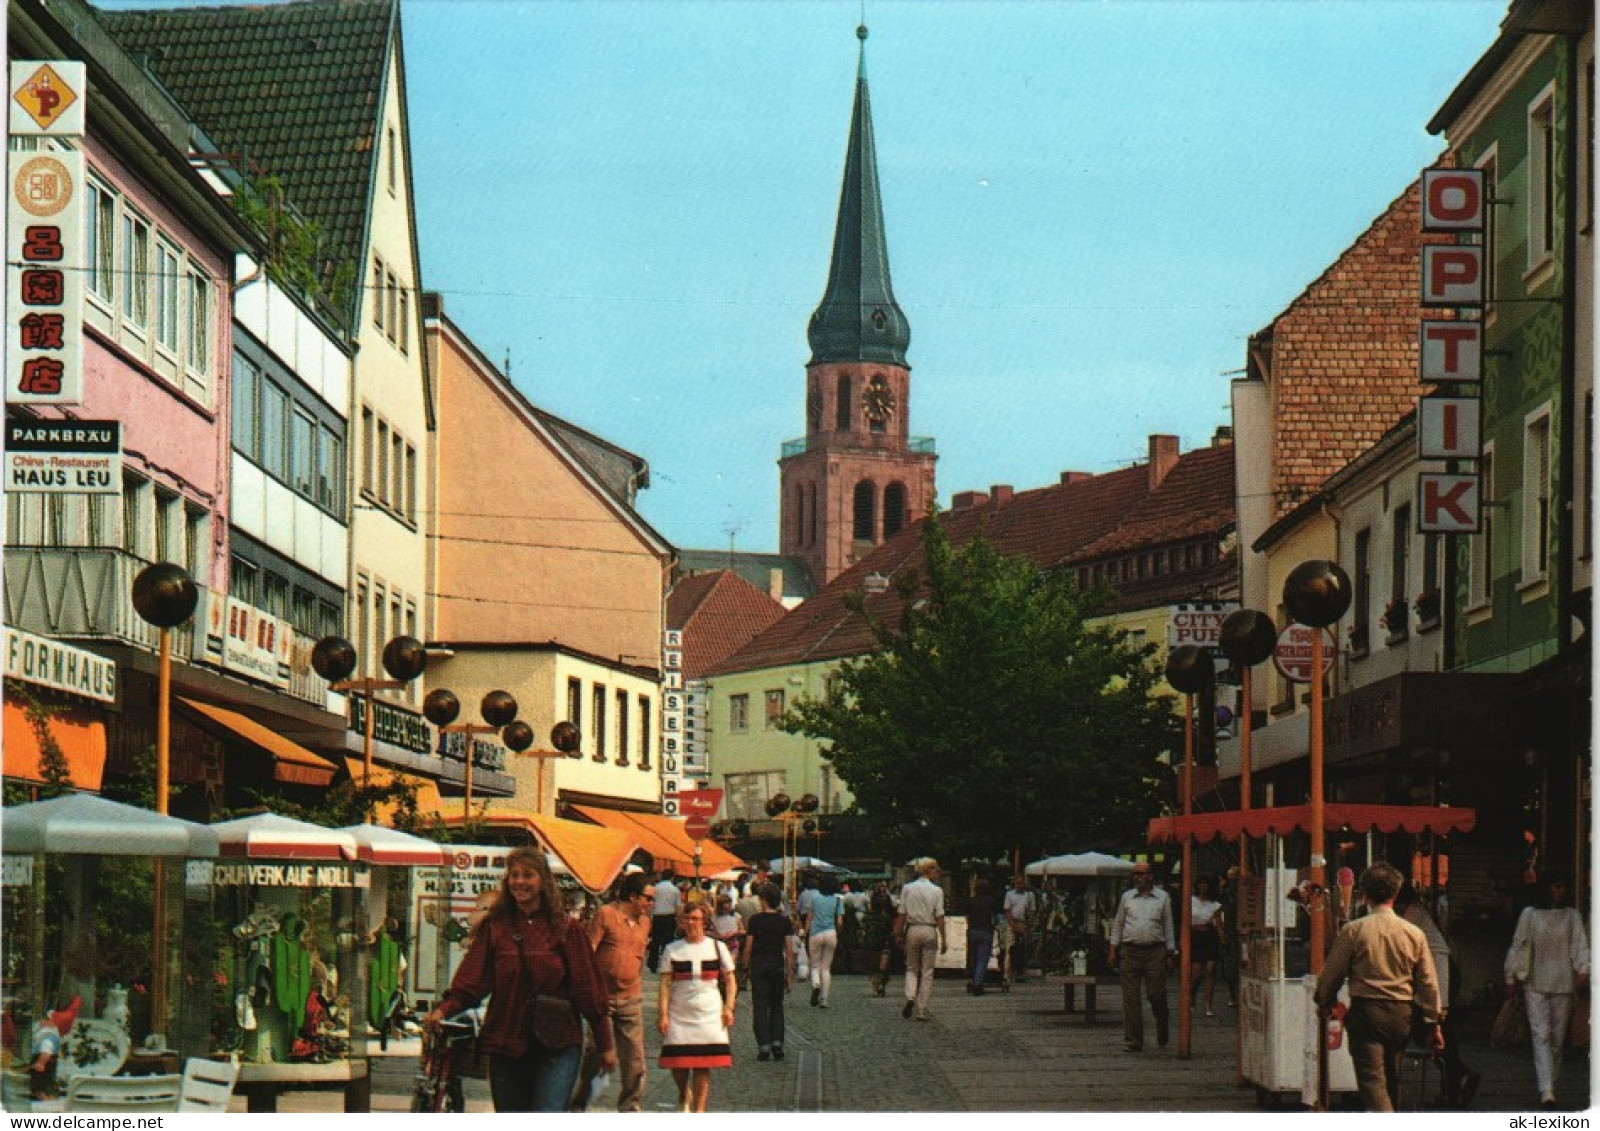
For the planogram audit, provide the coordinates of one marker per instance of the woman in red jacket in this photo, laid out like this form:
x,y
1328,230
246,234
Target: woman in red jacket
x,y
539,968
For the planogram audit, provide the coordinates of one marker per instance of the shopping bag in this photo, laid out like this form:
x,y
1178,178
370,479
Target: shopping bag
x,y
1578,1027
1510,1024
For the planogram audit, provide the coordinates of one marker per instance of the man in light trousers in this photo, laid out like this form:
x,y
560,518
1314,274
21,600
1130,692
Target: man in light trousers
x,y
922,913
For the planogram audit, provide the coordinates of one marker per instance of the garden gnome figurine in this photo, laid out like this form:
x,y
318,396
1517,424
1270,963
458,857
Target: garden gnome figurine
x,y
48,1037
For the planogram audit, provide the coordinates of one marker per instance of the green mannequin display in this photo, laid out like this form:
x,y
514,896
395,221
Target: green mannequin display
x,y
291,971
384,978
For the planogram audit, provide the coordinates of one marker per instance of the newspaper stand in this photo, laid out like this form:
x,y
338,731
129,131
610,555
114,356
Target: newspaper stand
x,y
1280,1032
292,899
105,902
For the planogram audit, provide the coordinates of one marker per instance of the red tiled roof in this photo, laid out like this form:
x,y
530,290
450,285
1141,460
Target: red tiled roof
x,y
1343,355
1049,526
1195,499
718,613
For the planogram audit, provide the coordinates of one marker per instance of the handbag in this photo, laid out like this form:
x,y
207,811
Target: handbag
x,y
550,1020
1578,1027
1510,1024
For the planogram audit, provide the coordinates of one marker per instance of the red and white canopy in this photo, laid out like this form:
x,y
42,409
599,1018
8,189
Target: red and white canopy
x,y
378,845
267,836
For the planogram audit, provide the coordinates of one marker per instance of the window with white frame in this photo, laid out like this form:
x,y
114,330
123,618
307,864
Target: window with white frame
x,y
135,270
1541,178
738,712
275,430
197,355
1480,560
375,292
303,453
101,252
166,292
1536,495
774,708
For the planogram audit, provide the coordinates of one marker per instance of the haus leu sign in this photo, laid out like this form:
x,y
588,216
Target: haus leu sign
x,y
1449,420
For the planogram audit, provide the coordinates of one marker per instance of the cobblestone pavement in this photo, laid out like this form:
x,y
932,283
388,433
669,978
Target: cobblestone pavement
x,y
999,1052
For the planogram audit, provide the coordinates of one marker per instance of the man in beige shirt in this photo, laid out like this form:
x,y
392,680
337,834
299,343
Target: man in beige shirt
x,y
1390,970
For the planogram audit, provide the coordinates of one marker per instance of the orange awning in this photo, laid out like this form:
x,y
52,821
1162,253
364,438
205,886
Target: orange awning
x,y
82,741
1257,823
593,855
293,763
428,797
665,839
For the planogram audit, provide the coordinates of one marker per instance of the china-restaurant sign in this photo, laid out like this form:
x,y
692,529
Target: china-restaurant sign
x,y
45,236
60,667
240,638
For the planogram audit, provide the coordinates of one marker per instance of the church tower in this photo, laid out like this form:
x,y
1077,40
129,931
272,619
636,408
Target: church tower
x,y
857,477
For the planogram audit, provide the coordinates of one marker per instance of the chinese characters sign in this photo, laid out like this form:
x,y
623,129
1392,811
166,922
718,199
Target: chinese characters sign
x,y
44,277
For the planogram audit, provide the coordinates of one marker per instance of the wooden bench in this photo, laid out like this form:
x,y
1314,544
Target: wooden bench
x,y
1069,995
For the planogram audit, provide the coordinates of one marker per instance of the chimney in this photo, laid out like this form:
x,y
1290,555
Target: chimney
x,y
966,500
1075,477
1223,435
1163,458
775,584
999,495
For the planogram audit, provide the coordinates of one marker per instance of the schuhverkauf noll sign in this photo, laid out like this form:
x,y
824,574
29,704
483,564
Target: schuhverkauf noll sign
x,y
78,457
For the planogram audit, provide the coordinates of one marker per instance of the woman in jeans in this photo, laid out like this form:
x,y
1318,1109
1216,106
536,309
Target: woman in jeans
x,y
982,910
769,956
527,948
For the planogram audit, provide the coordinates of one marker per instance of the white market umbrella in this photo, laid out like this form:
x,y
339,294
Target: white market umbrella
x,y
86,825
379,845
802,863
1081,864
267,836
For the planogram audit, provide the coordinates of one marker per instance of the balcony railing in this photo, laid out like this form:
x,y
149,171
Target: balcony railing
x,y
85,593
916,445
81,593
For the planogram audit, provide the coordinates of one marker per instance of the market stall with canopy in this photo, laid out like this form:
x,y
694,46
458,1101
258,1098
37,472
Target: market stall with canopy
x,y
401,865
1280,1033
293,908
105,904
585,859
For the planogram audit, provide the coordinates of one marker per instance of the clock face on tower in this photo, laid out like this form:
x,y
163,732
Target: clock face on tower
x,y
878,400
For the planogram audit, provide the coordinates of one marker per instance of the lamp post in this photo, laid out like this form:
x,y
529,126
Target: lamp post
x,y
334,659
499,711
1190,669
164,595
781,809
1246,637
1317,593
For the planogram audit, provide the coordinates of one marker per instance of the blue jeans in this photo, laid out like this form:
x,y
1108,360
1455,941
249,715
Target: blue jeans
x,y
537,1080
980,944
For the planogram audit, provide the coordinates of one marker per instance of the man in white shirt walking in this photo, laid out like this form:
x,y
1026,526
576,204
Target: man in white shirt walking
x,y
1018,907
922,913
1143,946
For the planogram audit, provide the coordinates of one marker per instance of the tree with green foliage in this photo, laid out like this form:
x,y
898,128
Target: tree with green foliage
x,y
297,255
993,715
55,775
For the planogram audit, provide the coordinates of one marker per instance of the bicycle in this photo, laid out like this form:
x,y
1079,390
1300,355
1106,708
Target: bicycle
x,y
447,1050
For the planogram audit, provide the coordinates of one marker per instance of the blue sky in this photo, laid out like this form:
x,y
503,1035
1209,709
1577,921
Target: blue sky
x,y
1089,205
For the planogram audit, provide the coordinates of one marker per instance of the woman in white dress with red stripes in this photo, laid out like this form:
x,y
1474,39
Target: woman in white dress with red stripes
x,y
696,1008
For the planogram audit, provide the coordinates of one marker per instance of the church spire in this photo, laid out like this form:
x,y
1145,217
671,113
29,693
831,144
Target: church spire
x,y
858,318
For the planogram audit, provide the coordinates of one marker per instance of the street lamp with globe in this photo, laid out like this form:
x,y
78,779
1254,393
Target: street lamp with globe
x,y
499,711
1246,637
334,659
1317,593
